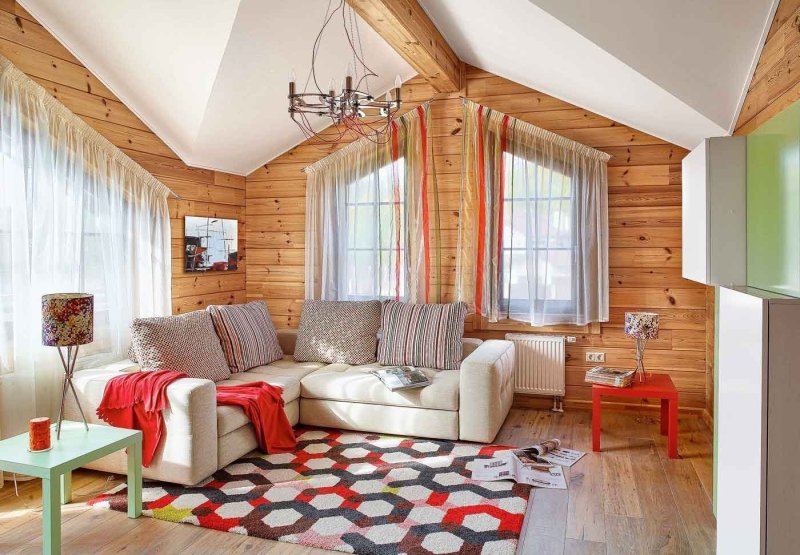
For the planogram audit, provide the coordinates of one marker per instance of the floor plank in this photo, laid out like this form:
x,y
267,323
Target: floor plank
x,y
629,498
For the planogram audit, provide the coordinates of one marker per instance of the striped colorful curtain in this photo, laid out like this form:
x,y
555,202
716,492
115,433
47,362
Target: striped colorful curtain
x,y
533,232
368,218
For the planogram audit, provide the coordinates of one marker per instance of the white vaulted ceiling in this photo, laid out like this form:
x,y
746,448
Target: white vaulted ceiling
x,y
210,76
676,69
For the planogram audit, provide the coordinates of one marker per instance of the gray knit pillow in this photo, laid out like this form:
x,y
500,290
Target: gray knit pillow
x,y
184,343
338,331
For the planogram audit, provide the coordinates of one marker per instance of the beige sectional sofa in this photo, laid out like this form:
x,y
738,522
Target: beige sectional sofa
x,y
469,404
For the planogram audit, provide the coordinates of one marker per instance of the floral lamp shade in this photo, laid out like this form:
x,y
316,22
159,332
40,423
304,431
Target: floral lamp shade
x,y
641,325
67,319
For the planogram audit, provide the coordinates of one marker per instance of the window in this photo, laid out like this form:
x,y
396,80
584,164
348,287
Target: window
x,y
375,244
538,243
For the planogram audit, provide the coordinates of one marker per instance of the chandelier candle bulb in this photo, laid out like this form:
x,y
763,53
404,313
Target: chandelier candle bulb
x,y
397,82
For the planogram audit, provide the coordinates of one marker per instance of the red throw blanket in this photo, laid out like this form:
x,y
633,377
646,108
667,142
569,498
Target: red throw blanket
x,y
135,401
263,405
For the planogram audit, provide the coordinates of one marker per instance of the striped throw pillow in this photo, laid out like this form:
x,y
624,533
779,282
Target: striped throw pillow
x,y
183,343
427,335
247,335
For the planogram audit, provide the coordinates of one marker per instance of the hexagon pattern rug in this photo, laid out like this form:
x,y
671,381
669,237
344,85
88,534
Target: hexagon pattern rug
x,y
352,492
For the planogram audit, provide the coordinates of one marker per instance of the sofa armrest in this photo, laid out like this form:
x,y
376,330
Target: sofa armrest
x,y
188,451
486,390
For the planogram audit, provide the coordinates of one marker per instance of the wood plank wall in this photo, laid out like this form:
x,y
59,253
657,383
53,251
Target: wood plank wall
x,y
776,80
645,231
204,193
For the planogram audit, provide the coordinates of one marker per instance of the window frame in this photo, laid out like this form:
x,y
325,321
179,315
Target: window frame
x,y
514,309
377,204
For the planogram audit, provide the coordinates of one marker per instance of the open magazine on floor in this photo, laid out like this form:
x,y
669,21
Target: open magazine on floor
x,y
539,465
509,467
550,451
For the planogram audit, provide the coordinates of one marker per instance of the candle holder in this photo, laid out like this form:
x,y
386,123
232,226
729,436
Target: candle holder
x,y
39,435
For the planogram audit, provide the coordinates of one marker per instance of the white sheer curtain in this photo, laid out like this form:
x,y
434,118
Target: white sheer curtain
x,y
533,233
76,215
367,232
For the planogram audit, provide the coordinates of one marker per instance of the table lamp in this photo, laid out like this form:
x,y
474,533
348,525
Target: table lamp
x,y
67,321
641,326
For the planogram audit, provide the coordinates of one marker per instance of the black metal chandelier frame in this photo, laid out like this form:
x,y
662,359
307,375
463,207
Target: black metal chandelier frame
x,y
351,111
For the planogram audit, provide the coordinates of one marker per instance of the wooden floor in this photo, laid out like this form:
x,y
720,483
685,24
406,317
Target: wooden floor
x,y
628,499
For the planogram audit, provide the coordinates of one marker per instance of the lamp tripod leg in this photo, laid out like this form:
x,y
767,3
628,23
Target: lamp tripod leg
x,y
77,402
640,345
65,363
72,387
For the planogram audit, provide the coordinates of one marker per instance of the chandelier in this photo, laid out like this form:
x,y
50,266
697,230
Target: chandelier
x,y
351,110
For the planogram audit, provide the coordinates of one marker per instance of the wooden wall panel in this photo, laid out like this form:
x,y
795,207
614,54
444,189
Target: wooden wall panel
x,y
645,230
204,193
776,80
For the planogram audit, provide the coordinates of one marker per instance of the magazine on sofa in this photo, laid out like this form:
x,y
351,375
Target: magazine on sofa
x,y
509,467
397,378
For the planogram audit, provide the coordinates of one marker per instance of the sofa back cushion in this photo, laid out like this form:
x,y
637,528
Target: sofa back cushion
x,y
338,332
427,335
247,334
184,343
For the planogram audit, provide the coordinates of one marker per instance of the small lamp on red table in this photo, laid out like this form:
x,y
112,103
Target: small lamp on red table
x,y
641,326
67,321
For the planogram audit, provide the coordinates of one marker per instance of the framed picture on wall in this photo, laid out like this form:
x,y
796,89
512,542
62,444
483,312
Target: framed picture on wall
x,y
211,244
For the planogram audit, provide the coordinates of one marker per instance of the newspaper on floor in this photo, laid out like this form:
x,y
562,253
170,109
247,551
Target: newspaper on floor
x,y
509,467
549,451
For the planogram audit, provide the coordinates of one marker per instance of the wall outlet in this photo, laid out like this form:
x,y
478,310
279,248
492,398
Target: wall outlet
x,y
595,357
571,339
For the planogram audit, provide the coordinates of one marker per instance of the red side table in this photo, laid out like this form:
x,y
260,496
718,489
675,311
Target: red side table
x,y
657,386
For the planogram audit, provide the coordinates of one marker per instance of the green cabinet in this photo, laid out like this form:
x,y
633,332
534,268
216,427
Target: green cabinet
x,y
773,204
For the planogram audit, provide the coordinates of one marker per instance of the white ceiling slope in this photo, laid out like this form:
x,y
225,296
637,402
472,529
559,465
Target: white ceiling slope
x,y
677,70
209,77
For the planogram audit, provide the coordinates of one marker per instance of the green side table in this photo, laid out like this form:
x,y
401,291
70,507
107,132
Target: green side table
x,y
76,448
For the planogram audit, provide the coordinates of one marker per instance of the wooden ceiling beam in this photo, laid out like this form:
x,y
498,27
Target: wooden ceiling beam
x,y
409,30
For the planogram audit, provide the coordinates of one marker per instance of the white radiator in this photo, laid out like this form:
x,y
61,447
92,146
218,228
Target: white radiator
x,y
539,367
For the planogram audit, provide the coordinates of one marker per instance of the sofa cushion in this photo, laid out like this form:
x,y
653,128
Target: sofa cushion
x,y
230,418
246,333
427,335
342,382
338,331
286,367
184,343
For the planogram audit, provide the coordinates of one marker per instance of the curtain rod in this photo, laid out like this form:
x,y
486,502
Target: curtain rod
x,y
465,99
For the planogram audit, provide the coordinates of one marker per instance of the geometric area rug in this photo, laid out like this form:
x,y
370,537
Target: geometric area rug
x,y
353,492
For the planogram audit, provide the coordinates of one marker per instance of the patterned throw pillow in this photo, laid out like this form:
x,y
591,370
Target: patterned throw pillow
x,y
184,343
338,331
247,334
427,335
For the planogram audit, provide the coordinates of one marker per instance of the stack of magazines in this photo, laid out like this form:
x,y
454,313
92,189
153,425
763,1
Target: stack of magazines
x,y
615,377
